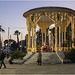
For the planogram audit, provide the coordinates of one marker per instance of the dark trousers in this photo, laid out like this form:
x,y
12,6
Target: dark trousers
x,y
2,63
39,63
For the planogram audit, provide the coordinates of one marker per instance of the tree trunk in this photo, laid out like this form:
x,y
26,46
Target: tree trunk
x,y
17,39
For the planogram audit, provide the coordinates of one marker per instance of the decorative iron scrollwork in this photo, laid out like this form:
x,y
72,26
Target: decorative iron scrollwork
x,y
32,17
43,13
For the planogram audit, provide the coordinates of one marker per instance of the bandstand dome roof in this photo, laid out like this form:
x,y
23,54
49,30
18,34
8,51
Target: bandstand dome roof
x,y
49,9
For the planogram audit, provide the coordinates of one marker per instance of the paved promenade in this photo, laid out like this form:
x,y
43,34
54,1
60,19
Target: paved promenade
x,y
35,69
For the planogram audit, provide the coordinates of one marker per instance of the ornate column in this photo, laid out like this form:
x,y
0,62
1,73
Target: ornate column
x,y
52,40
65,34
29,39
49,38
59,37
62,38
56,38
42,37
32,38
56,31
60,27
72,26
35,38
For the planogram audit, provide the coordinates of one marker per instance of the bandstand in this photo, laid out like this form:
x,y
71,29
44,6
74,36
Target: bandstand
x,y
45,17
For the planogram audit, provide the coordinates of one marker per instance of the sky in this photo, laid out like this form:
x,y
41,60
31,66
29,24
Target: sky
x,y
11,13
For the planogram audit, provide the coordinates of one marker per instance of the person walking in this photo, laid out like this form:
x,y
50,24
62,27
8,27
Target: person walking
x,y
39,58
2,56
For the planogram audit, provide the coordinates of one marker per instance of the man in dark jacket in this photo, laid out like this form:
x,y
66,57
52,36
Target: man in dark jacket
x,y
2,56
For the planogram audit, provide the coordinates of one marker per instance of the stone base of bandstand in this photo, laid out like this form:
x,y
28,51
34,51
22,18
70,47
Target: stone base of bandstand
x,y
47,58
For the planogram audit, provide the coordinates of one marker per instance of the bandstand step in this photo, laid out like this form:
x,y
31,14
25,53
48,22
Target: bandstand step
x,y
28,56
47,58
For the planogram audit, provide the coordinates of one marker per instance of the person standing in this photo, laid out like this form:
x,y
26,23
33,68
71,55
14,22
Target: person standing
x,y
39,58
2,56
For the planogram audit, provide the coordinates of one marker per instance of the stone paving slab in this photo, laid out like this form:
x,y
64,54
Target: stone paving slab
x,y
17,69
35,69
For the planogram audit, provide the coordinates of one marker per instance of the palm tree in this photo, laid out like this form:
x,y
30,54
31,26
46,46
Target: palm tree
x,y
17,33
1,30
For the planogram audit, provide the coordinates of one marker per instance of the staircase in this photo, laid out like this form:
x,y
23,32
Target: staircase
x,y
47,58
21,61
60,56
32,59
28,56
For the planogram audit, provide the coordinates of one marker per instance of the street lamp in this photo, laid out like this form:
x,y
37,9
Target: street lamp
x,y
1,30
21,39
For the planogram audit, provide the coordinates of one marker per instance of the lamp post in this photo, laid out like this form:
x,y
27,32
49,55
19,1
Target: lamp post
x,y
1,30
8,38
21,39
